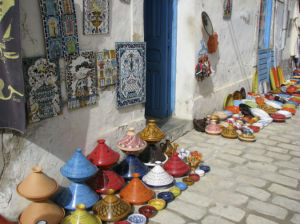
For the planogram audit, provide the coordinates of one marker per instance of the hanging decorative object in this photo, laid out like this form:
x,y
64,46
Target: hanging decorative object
x,y
202,69
42,88
212,43
131,88
107,69
227,9
81,80
95,17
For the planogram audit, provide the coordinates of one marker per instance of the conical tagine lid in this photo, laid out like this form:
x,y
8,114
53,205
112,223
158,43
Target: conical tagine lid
x,y
131,142
229,132
175,166
136,192
152,133
111,208
158,177
103,155
37,186
78,168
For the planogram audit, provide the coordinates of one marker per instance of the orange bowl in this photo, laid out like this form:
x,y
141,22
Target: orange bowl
x,y
233,109
260,100
292,110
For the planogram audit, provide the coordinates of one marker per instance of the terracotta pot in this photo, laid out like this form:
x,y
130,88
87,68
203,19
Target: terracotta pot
x,y
152,133
175,166
80,215
37,186
5,221
42,211
131,142
136,192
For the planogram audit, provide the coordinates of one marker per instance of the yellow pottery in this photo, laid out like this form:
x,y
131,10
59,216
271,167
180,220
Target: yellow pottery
x,y
151,133
81,216
289,105
175,190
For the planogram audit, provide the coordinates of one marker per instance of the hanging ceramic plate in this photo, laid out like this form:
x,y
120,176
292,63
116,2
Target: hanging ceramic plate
x,y
255,83
280,75
228,101
272,80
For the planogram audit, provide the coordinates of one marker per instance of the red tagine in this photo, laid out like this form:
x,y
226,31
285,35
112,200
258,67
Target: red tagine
x,y
175,166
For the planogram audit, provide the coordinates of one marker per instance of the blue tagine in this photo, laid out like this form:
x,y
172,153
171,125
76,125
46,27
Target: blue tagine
x,y
78,169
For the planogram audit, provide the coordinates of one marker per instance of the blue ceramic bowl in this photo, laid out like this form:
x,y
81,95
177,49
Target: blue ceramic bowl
x,y
206,169
166,195
237,103
181,185
137,219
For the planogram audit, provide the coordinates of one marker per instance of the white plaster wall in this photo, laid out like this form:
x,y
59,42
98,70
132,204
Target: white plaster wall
x,y
51,142
234,62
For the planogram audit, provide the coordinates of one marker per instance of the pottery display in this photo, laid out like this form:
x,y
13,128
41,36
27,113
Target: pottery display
x,y
269,109
137,219
189,181
221,114
213,128
136,192
131,142
195,177
194,159
166,195
286,113
131,165
37,186
205,168
175,166
247,136
80,215
181,185
111,208
158,177
148,211
229,132
278,117
157,203
152,133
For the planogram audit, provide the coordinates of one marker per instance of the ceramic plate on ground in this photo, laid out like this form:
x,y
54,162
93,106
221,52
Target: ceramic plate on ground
x,y
287,114
260,125
274,104
237,102
259,113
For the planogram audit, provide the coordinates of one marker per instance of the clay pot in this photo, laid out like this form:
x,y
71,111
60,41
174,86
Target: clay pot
x,y
200,125
103,155
260,100
175,166
269,109
42,211
131,142
37,186
136,192
5,221
213,128
111,208
175,190
221,115
166,195
237,95
152,133
80,215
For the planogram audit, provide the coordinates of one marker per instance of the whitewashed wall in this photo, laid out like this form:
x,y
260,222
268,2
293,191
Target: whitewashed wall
x,y
51,142
234,62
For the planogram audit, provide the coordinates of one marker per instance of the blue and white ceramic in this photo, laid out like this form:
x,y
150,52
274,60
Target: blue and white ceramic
x,y
137,219
78,168
166,195
181,185
158,177
77,193
205,168
274,103
286,113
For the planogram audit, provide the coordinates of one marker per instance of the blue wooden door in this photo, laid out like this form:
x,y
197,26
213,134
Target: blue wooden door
x,y
158,18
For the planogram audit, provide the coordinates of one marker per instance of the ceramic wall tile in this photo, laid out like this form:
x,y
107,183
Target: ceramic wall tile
x,y
81,80
131,87
107,68
42,88
95,17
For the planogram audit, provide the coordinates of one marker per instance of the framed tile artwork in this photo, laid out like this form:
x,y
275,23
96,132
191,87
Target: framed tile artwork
x,y
95,17
42,88
81,80
131,87
107,69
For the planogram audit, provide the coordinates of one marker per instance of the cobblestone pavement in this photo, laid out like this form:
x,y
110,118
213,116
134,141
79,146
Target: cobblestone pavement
x,y
252,183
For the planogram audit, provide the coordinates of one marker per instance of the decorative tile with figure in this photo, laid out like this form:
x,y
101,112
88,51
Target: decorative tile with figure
x,y
95,16
81,80
131,88
42,88
107,68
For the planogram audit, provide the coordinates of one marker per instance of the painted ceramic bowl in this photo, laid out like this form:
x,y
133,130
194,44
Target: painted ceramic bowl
x,y
233,109
275,104
278,117
157,203
229,113
175,190
293,102
148,211
137,219
182,186
259,113
221,114
250,103
205,168
195,177
291,110
200,172
290,105
188,181
166,195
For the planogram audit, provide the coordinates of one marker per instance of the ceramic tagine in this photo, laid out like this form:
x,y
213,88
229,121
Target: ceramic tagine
x,y
80,215
103,157
152,134
158,177
131,144
229,132
78,169
213,128
136,192
175,166
37,187
111,208
247,136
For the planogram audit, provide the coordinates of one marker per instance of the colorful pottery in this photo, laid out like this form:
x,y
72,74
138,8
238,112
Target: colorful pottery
x,y
233,109
221,114
189,181
291,89
255,129
157,203
293,102
278,117
260,100
205,168
195,177
158,177
275,104
291,110
122,222
213,128
42,212
131,142
259,113
78,168
148,211
166,195
111,208
136,192
137,219
269,109
247,136
175,166
131,165
175,190
80,215
200,172
229,132
290,105
181,185
151,133
37,186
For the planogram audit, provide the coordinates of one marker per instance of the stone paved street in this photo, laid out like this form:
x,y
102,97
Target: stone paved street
x,y
252,183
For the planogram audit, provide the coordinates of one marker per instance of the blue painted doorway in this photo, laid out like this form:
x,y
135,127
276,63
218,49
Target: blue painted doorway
x,y
160,28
